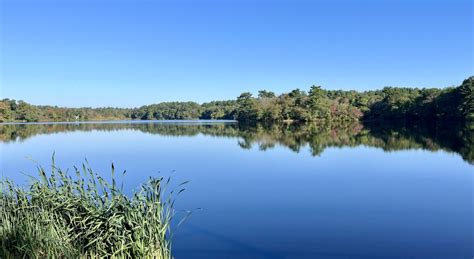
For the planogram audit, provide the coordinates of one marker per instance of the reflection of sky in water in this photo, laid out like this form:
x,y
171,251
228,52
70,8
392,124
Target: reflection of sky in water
x,y
350,202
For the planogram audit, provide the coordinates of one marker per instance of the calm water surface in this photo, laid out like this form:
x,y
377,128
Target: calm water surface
x,y
282,191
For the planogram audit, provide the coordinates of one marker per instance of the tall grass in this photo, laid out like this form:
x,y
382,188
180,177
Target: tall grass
x,y
85,216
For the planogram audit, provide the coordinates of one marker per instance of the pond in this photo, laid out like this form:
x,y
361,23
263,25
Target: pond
x,y
281,191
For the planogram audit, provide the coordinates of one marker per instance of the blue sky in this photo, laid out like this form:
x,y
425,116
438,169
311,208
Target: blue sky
x,y
130,53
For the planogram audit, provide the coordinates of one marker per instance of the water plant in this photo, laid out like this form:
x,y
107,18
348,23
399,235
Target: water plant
x,y
81,215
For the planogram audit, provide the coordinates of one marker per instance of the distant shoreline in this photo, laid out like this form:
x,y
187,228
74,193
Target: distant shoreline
x,y
314,105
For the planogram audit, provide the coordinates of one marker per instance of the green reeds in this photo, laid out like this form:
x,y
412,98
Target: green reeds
x,y
85,216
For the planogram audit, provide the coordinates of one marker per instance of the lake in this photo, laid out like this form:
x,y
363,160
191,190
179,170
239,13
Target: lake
x,y
281,191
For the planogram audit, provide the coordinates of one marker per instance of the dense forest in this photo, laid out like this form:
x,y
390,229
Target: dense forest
x,y
317,104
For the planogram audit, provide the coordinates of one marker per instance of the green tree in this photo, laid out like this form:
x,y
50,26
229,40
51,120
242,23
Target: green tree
x,y
318,104
26,112
247,110
266,94
467,102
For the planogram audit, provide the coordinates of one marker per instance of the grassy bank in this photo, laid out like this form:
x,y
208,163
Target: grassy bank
x,y
58,215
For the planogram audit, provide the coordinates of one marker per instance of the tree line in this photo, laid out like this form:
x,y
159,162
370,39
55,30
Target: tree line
x,y
317,104
390,103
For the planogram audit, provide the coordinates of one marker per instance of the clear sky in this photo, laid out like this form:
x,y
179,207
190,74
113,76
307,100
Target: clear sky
x,y
130,53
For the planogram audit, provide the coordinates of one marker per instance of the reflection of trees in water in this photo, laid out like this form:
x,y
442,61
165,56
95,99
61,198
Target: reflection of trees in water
x,y
454,137
387,136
